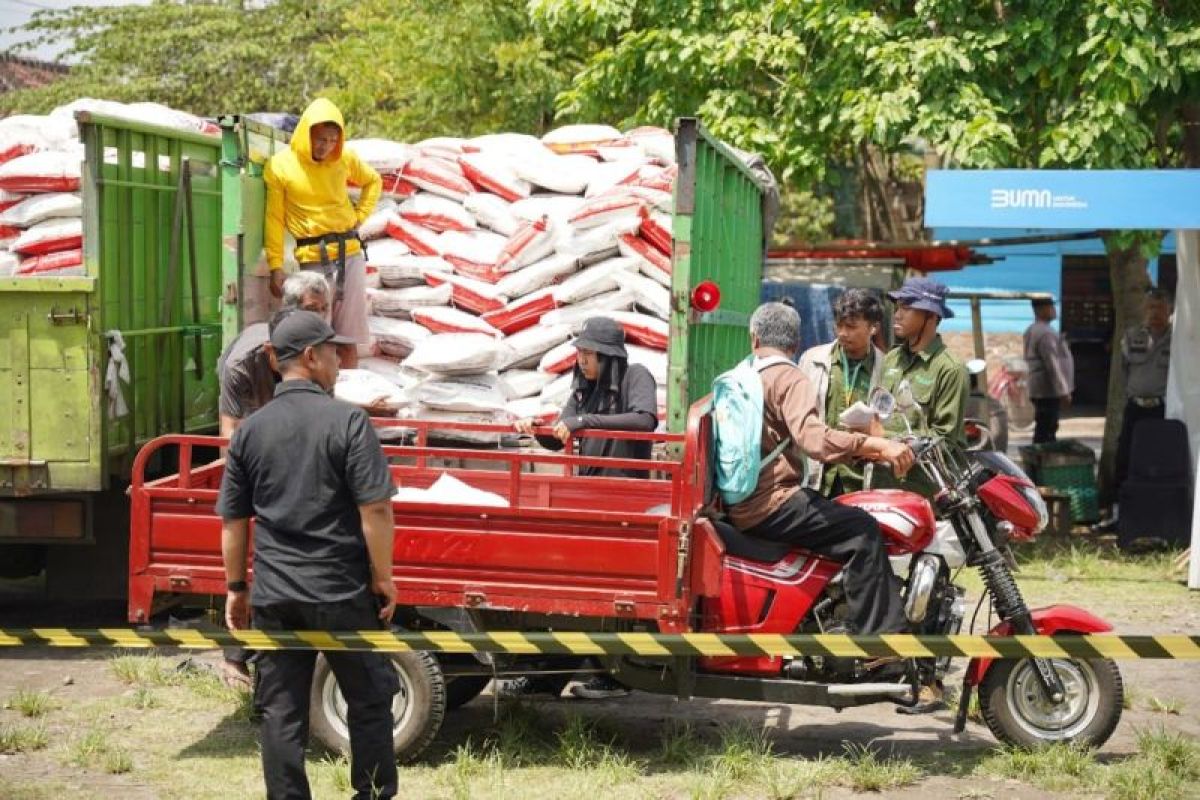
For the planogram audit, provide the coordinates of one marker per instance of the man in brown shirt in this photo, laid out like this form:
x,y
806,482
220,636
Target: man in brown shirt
x,y
781,510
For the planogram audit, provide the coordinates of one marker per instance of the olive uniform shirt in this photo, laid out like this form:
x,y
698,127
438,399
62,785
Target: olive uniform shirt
x,y
940,385
845,391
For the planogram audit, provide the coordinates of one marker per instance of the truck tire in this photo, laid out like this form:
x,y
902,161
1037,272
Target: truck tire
x,y
1017,713
464,689
418,708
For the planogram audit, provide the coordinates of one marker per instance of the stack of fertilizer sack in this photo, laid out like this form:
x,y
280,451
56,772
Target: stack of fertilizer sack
x,y
488,254
41,225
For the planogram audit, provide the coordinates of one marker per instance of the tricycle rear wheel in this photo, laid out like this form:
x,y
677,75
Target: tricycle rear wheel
x,y
1018,713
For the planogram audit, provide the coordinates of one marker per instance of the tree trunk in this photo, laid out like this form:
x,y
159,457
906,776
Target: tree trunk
x,y
1127,272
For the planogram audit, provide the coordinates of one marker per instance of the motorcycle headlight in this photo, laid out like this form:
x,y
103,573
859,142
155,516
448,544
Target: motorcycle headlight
x,y
1034,498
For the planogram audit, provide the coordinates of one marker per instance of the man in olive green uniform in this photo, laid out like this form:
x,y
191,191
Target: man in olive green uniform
x,y
844,372
939,380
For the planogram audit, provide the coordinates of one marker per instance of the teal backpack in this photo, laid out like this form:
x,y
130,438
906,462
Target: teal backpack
x,y
737,414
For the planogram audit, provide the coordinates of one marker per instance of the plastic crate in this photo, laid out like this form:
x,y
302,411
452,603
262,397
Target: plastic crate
x,y
1067,466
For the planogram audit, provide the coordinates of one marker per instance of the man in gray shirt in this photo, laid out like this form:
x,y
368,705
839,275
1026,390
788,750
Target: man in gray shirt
x,y
1145,359
1051,370
244,370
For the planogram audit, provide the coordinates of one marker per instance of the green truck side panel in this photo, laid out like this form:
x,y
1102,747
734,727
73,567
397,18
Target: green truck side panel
x,y
139,254
718,232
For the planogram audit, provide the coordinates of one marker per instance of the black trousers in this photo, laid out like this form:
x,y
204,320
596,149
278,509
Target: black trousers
x,y
848,535
1045,419
367,680
1133,415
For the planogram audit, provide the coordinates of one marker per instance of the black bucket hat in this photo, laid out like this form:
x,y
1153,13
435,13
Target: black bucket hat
x,y
604,336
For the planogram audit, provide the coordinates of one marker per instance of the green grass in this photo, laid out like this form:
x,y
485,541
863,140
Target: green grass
x,y
867,772
93,750
31,704
16,739
1168,705
1055,767
144,670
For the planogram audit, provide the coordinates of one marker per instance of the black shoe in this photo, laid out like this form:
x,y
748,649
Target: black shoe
x,y
527,687
601,687
1107,525
930,698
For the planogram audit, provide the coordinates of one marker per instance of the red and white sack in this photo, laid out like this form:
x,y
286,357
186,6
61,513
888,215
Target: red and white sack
x,y
493,172
23,134
558,391
522,313
660,179
492,212
375,226
447,147
515,145
651,261
50,236
391,370
436,213
394,186
609,176
478,247
396,337
41,207
456,354
566,174
608,209
557,207
421,241
401,271
382,155
402,302
532,242
657,143
61,263
528,346
10,199
560,359
366,389
657,229
652,296
533,408
443,319
49,171
516,384
468,293
149,113
592,281
598,306
653,360
581,138
473,394
440,177
642,329
655,199
9,263
596,244
624,150
537,276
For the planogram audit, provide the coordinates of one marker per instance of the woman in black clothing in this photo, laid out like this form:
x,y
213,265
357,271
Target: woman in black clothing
x,y
611,394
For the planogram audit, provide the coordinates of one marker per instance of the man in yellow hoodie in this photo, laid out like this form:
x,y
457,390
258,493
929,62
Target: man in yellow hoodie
x,y
307,193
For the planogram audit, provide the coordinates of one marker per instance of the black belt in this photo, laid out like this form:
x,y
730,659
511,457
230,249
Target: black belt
x,y
322,244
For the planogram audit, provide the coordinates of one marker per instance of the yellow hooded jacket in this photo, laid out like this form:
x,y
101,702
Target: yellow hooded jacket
x,y
309,197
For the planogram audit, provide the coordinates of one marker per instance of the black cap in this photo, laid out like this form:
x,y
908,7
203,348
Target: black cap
x,y
604,336
1042,301
301,329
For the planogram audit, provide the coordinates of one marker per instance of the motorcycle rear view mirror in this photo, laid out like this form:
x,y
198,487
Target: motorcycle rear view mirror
x,y
882,403
904,396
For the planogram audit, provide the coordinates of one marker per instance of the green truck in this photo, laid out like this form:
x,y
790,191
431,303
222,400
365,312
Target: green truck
x,y
93,367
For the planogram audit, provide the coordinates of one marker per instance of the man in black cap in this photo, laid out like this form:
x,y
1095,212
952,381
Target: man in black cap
x,y
308,469
938,380
1051,370
611,394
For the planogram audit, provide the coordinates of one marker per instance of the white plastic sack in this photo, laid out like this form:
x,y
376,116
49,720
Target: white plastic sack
x,y
566,174
391,371
8,263
424,412
651,261
449,147
653,360
520,383
478,297
657,143
559,359
492,212
651,295
532,343
516,145
456,354
149,113
557,207
598,306
493,172
532,242
27,133
49,237
369,390
396,337
420,240
400,271
400,302
382,155
580,138
375,226
436,213
607,176
438,176
443,319
41,207
537,276
606,209
476,394
48,171
449,490
590,242
558,391
642,329
534,408
592,281
477,247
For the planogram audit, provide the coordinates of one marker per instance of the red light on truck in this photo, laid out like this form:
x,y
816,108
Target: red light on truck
x,y
706,297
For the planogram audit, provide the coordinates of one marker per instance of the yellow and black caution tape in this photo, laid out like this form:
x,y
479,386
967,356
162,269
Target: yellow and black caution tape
x,y
641,644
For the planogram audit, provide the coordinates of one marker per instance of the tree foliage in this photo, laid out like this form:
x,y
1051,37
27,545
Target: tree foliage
x,y
208,57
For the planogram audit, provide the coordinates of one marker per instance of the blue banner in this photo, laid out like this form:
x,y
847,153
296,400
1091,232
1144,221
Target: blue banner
x,y
1083,199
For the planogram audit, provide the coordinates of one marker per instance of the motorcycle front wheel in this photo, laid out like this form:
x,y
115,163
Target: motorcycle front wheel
x,y
1018,713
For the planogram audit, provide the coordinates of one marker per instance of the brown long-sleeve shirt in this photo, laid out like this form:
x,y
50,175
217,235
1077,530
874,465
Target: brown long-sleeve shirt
x,y
791,407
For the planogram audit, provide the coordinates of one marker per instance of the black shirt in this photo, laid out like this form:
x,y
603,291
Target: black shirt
x,y
301,467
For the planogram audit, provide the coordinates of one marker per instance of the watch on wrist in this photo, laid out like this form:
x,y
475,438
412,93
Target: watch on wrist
x,y
237,586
